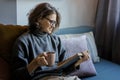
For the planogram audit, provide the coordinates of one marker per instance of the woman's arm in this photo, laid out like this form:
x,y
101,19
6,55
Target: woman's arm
x,y
40,60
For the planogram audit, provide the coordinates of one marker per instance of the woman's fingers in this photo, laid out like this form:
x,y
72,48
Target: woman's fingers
x,y
42,54
85,55
42,61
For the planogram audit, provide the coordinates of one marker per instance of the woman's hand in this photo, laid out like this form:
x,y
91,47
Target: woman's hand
x,y
40,60
85,57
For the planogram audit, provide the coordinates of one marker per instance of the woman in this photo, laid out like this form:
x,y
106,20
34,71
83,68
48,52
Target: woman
x,y
30,48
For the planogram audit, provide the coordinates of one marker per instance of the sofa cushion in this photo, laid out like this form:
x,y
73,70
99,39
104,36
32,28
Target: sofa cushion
x,y
90,42
4,70
75,45
8,35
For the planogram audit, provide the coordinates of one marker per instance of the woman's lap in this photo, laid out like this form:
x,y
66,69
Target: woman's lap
x,y
60,78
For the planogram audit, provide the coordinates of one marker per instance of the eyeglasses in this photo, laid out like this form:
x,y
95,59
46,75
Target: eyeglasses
x,y
52,22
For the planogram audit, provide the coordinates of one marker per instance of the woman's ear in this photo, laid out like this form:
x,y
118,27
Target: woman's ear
x,y
39,20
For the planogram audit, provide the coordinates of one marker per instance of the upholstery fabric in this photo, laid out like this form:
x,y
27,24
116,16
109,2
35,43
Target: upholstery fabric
x,y
76,45
8,35
90,42
4,70
106,70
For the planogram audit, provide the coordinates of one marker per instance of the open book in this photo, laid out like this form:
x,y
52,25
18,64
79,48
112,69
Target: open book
x,y
71,60
64,65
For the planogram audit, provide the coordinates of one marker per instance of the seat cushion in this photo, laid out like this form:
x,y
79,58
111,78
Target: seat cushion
x,y
106,70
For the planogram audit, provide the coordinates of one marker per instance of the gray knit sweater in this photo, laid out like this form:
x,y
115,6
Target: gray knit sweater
x,y
28,46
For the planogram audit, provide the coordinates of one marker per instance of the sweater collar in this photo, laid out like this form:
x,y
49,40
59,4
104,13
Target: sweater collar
x,y
40,34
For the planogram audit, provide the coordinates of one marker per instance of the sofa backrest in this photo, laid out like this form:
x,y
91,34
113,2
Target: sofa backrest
x,y
8,35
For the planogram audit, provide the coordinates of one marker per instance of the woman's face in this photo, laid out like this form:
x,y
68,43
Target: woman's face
x,y
48,23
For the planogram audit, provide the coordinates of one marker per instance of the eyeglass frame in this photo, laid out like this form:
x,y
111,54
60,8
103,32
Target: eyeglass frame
x,y
52,22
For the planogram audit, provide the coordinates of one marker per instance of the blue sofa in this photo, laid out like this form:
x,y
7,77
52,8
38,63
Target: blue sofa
x,y
106,70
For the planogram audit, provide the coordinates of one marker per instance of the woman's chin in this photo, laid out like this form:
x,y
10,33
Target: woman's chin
x,y
49,32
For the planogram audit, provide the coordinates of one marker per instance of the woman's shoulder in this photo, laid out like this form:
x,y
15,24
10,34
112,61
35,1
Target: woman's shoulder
x,y
24,36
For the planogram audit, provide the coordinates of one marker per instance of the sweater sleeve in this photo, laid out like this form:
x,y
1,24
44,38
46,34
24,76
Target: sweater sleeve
x,y
61,50
20,62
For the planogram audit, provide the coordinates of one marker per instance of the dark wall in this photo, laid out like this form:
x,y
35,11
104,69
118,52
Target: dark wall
x,y
8,12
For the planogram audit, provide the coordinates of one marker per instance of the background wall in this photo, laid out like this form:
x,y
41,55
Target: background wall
x,y
8,12
74,12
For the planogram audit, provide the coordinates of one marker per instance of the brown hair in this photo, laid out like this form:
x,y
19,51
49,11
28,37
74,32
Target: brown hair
x,y
41,11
